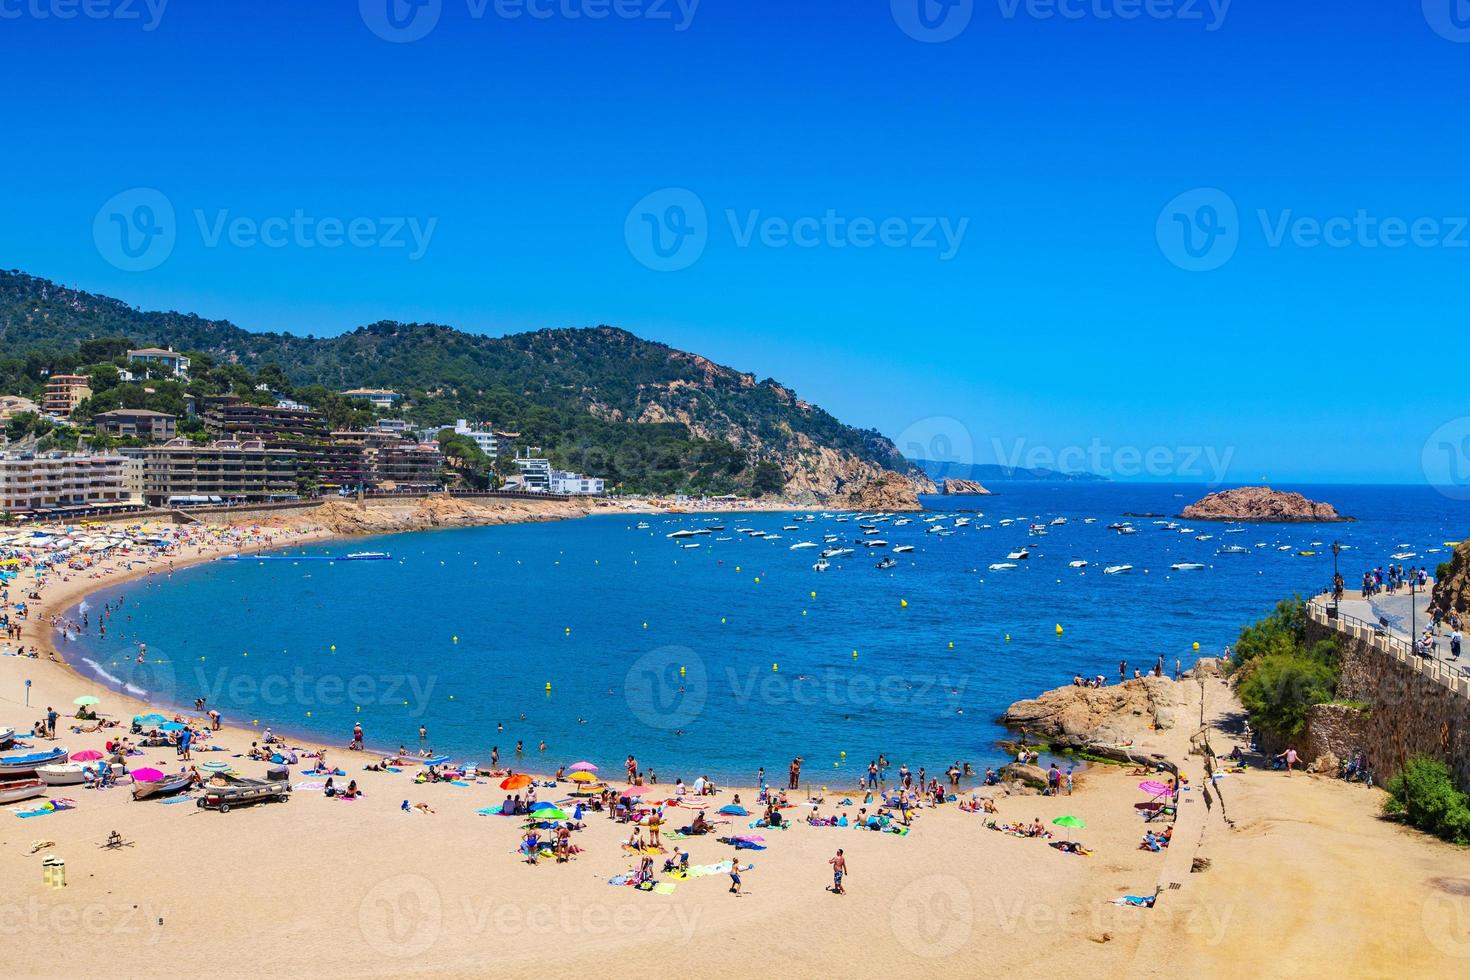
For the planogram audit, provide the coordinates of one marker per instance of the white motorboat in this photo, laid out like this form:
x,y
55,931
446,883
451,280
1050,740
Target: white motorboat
x,y
1058,521
875,543
836,552
1186,566
62,774
802,544
686,533
821,565
1232,549
1002,566
1021,554
1117,569
903,549
1403,555
1077,563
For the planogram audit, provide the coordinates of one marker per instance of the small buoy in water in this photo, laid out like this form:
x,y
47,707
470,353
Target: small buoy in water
x,y
773,667
308,714
456,638
569,631
951,644
1059,629
814,595
803,612
843,754
334,648
359,707
1196,644
645,626
854,654
681,671
1008,637
548,685
255,721
757,580
451,697
903,603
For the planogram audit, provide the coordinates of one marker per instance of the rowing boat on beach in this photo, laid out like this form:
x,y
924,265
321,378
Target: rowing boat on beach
x,y
26,762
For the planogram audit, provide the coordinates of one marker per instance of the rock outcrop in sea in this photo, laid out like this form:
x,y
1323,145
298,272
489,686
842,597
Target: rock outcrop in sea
x,y
958,487
888,491
1261,504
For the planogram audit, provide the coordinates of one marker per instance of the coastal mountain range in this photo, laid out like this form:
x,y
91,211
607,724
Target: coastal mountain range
x,y
996,472
647,416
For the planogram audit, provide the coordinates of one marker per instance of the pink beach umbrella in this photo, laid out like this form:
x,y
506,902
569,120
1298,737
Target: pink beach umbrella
x,y
582,767
86,755
146,775
1153,787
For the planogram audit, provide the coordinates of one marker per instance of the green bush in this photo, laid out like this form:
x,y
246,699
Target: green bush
x,y
1284,631
1424,794
1280,689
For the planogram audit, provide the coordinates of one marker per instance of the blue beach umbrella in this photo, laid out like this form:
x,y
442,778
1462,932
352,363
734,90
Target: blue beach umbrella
x,y
171,726
734,811
151,719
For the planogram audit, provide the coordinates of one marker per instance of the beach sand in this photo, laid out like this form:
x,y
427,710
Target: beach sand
x,y
1309,882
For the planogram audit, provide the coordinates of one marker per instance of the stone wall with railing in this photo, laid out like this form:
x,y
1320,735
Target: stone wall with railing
x,y
1415,705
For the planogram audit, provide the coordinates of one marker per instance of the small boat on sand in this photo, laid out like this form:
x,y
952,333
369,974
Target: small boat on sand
x,y
21,789
63,774
171,783
29,762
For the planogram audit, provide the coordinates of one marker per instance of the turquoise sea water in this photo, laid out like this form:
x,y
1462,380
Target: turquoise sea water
x,y
668,652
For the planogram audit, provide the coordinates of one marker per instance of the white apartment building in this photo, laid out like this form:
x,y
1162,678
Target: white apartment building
x,y
57,481
481,436
575,484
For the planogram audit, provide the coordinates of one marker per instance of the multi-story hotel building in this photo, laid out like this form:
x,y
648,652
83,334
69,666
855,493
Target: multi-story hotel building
x,y
32,484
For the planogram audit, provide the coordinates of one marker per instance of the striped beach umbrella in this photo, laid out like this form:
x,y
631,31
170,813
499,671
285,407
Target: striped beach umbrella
x,y
216,767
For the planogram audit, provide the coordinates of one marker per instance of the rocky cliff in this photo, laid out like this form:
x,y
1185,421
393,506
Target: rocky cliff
x,y
346,517
886,491
1260,504
1452,587
964,487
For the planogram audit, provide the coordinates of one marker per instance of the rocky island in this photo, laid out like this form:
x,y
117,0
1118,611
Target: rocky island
x,y
1261,504
959,487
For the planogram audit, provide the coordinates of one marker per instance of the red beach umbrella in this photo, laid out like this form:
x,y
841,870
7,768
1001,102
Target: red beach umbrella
x,y
86,755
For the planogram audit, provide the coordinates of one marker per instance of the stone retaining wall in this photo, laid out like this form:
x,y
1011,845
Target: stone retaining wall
x,y
1416,706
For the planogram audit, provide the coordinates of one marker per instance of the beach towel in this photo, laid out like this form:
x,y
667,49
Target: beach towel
x,y
177,799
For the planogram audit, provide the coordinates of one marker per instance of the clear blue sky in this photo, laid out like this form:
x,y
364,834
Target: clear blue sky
x,y
1063,319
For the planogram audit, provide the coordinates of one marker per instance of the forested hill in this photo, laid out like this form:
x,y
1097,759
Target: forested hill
x,y
600,399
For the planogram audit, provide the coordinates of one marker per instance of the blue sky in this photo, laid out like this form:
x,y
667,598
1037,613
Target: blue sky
x,y
965,230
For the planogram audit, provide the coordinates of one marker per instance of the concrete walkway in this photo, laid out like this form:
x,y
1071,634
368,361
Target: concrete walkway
x,y
1401,617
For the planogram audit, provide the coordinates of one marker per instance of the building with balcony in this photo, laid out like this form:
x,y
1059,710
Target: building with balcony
x,y
480,435
227,470
535,474
382,398
137,423
64,392
169,361
60,482
575,484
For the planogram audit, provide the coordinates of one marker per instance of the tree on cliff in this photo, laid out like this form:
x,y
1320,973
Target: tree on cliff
x,y
1278,676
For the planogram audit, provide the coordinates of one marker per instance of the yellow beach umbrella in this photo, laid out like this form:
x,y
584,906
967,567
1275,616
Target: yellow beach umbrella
x,y
583,777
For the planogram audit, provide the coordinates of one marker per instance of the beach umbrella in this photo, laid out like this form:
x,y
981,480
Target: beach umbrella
x,y
633,793
1069,821
151,719
146,775
86,700
172,726
551,814
583,777
1153,787
734,811
86,755
543,805
216,767
582,767
516,782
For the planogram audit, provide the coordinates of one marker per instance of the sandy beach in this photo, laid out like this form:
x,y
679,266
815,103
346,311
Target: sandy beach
x,y
1302,874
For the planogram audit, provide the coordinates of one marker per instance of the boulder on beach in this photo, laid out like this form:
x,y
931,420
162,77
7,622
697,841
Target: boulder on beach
x,y
1075,717
1260,504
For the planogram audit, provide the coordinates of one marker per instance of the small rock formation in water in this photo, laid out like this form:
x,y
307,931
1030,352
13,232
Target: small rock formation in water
x,y
1260,504
889,491
1078,717
964,487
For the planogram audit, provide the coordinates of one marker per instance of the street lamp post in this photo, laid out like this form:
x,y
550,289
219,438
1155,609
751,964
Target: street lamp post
x,y
1336,591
